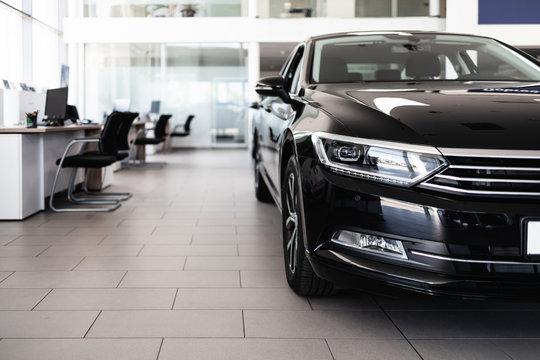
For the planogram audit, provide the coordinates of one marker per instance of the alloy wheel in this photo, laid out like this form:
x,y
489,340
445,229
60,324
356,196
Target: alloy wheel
x,y
291,223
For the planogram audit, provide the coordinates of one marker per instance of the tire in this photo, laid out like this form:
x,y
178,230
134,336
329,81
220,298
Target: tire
x,y
262,193
300,275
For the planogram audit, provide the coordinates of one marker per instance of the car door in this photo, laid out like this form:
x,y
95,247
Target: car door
x,y
277,114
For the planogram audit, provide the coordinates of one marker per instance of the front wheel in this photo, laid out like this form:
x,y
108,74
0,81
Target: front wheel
x,y
300,275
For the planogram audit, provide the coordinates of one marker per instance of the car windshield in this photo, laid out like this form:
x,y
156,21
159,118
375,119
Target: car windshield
x,y
418,56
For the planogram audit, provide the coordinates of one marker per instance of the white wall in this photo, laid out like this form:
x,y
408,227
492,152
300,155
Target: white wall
x,y
170,30
462,17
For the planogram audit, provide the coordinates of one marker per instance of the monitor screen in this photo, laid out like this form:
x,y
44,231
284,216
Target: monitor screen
x,y
121,105
154,109
56,103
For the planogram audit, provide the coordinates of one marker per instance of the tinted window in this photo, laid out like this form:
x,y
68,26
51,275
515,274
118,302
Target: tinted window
x,y
406,57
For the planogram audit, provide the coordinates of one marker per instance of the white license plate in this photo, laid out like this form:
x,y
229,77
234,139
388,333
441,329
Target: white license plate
x,y
533,238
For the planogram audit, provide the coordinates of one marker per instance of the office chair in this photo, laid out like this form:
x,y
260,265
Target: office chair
x,y
160,135
105,156
187,128
123,150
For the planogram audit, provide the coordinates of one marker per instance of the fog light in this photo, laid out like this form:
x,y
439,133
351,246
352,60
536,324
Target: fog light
x,y
370,243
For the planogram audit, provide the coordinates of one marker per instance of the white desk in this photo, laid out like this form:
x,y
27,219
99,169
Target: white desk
x,y
28,164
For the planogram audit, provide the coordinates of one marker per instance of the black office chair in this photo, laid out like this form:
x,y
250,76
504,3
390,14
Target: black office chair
x,y
160,135
104,156
187,128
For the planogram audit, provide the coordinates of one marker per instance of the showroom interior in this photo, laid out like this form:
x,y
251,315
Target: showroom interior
x,y
188,264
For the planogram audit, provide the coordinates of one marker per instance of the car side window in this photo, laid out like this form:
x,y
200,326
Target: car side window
x,y
292,77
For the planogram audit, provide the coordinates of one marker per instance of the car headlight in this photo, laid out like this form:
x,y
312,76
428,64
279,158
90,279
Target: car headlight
x,y
383,161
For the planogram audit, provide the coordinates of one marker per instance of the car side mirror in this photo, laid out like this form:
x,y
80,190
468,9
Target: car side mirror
x,y
273,86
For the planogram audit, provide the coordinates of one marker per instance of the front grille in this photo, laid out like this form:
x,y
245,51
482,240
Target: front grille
x,y
477,176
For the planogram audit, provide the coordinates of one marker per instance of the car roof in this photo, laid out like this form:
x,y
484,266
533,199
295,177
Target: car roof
x,y
389,32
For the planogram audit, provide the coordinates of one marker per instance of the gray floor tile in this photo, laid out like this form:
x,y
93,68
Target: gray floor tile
x,y
168,323
83,231
263,278
14,250
45,324
63,279
274,249
259,230
81,222
234,239
345,300
520,349
459,349
38,263
234,263
92,250
36,231
181,279
189,223
21,299
270,299
245,349
189,250
179,230
132,263
80,349
108,299
346,349
147,239
467,324
319,324
58,240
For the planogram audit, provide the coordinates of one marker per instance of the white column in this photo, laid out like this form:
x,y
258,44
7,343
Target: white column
x,y
340,8
434,7
253,8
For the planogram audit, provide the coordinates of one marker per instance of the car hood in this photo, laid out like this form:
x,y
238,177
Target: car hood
x,y
460,116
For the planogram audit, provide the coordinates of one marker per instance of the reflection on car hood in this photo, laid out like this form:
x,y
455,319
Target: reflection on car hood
x,y
466,116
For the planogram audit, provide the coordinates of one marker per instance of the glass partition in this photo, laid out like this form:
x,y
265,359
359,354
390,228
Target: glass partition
x,y
206,80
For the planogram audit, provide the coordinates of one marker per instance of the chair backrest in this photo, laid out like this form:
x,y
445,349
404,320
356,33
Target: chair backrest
x,y
423,65
123,131
161,126
108,138
187,125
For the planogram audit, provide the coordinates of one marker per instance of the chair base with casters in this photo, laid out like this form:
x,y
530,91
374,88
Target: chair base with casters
x,y
88,161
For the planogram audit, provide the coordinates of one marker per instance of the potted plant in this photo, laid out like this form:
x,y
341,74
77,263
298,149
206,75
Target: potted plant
x,y
189,10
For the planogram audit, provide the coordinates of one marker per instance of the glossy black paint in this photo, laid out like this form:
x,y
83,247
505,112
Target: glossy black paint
x,y
448,114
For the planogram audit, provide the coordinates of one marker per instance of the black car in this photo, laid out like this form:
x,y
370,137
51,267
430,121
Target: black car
x,y
407,158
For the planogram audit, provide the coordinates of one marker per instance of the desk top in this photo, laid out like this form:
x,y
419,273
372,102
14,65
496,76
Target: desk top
x,y
47,129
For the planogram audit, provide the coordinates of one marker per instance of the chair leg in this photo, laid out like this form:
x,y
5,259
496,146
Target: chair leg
x,y
83,200
70,188
125,195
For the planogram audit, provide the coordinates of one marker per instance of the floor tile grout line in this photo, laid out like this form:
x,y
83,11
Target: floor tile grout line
x,y
329,349
17,237
243,324
102,240
174,300
140,251
159,350
47,248
40,301
400,331
117,285
79,263
91,325
185,262
7,277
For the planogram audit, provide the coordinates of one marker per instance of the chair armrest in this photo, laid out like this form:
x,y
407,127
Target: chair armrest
x,y
177,126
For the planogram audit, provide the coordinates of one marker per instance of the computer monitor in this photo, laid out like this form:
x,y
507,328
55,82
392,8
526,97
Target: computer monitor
x,y
56,104
121,105
154,108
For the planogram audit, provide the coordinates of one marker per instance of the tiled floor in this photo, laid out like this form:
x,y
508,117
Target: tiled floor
x,y
191,268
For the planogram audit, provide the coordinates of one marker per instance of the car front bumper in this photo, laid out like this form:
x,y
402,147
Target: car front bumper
x,y
457,244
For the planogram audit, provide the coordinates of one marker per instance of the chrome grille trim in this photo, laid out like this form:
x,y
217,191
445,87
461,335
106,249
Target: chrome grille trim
x,y
471,261
475,176
450,189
